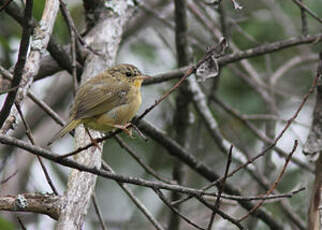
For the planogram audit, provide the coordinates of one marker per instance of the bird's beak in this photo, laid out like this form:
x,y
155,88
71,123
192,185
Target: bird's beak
x,y
145,77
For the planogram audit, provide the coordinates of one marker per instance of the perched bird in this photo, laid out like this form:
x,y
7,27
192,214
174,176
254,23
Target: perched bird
x,y
107,101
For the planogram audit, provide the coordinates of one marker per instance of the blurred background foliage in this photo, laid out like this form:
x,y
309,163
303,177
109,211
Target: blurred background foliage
x,y
149,44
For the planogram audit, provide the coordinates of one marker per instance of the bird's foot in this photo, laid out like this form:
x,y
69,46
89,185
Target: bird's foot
x,y
126,128
93,140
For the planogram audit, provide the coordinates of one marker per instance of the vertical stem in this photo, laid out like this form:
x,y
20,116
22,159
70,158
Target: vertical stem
x,y
304,21
313,146
314,214
181,116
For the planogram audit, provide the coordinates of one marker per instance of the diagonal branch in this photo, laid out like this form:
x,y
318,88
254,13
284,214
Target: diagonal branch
x,y
37,48
18,71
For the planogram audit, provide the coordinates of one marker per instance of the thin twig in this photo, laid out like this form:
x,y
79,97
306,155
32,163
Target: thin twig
x,y
71,27
176,212
276,197
32,140
308,10
252,117
304,21
21,223
220,189
190,71
36,150
272,143
136,157
55,49
221,213
276,182
135,200
98,212
9,90
174,149
36,100
8,178
139,132
5,4
22,57
237,56
46,108
264,138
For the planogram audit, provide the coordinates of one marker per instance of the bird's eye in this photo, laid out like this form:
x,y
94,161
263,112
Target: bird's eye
x,y
128,74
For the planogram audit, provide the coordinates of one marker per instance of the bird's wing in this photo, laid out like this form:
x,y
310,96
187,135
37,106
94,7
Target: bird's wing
x,y
99,97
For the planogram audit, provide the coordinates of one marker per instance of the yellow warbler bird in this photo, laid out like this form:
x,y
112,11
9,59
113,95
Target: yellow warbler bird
x,y
107,101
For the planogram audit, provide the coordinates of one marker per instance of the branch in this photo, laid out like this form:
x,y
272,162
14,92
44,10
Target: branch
x,y
32,141
48,66
264,138
220,189
237,56
33,202
135,200
313,148
19,68
137,158
4,139
37,47
308,10
176,211
105,36
269,48
181,114
276,182
177,151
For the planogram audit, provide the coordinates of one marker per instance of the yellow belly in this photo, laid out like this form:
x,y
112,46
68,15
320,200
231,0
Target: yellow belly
x,y
120,115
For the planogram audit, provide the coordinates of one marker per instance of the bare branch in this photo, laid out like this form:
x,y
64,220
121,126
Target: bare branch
x,y
20,65
37,47
313,148
276,182
308,10
135,200
98,212
33,202
220,189
32,141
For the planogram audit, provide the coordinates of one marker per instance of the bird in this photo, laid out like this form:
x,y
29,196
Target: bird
x,y
107,101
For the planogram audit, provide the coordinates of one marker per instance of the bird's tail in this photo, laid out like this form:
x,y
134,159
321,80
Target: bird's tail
x,y
67,128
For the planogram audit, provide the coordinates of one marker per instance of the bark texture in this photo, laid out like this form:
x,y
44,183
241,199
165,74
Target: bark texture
x,y
103,38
